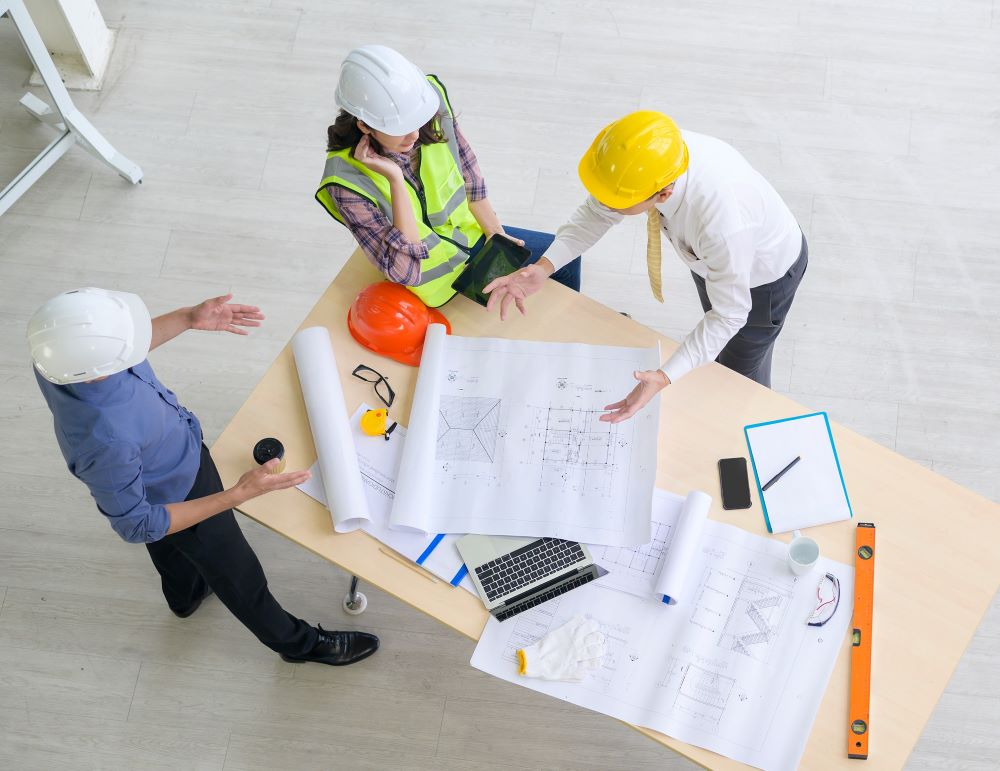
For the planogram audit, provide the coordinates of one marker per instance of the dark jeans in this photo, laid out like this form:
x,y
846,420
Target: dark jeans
x,y
214,553
537,242
749,351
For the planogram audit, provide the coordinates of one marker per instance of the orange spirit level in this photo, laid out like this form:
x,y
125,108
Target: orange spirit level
x,y
861,642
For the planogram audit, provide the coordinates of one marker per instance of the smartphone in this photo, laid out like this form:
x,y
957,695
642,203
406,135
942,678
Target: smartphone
x,y
734,483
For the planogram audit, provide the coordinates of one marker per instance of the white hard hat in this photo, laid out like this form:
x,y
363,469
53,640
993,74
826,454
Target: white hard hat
x,y
385,90
89,333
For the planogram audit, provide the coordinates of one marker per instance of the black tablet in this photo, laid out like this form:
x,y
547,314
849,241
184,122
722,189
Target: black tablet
x,y
498,257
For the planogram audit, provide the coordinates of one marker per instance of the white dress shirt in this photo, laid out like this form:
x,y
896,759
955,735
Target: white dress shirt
x,y
727,224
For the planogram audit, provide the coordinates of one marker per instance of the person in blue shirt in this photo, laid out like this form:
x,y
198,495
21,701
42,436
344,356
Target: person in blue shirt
x,y
125,435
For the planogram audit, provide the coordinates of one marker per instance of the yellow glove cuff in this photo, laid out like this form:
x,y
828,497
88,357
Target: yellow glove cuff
x,y
522,662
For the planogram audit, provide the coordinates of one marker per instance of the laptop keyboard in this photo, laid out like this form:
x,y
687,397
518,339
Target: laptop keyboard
x,y
555,591
538,559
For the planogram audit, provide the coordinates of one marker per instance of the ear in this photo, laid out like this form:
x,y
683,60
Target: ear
x,y
363,128
664,194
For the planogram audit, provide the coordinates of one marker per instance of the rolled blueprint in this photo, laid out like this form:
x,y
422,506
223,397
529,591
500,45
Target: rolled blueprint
x,y
331,430
410,507
675,569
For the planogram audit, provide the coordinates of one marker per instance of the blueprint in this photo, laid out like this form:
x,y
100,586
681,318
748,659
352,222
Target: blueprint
x,y
337,464
735,669
505,438
378,463
661,568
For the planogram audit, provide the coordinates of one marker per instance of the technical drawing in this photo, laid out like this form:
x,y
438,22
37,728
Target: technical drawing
x,y
538,622
755,619
531,626
715,599
643,559
745,611
700,695
616,641
575,451
697,671
578,438
467,428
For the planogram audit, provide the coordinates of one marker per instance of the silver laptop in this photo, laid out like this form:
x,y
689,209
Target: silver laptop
x,y
515,574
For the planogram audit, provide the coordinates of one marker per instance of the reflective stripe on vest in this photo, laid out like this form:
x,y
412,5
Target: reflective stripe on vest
x,y
443,269
445,224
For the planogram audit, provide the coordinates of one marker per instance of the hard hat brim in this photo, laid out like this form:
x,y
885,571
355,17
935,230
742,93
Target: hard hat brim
x,y
612,198
416,121
410,358
419,118
142,329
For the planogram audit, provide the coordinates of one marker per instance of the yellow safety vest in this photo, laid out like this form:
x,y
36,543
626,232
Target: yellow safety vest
x,y
444,221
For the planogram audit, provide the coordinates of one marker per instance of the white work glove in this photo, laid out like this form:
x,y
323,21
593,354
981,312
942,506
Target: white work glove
x,y
566,653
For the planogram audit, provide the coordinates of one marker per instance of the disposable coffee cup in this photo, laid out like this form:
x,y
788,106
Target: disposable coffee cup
x,y
269,449
803,554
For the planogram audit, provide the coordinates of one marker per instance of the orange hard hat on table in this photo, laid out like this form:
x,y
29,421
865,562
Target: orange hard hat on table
x,y
392,321
633,158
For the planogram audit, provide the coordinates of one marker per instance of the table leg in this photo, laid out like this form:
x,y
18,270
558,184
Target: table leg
x,y
355,602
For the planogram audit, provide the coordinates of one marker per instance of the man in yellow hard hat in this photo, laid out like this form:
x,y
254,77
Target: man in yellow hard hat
x,y
743,246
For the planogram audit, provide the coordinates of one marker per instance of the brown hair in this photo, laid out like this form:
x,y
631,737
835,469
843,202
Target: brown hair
x,y
345,133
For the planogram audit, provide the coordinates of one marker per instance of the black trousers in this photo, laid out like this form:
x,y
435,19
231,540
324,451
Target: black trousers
x,y
214,553
749,351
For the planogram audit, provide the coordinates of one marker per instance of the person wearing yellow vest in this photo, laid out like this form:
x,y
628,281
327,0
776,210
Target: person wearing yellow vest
x,y
400,175
741,243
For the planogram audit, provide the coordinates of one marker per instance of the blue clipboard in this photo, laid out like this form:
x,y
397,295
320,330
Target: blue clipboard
x,y
811,495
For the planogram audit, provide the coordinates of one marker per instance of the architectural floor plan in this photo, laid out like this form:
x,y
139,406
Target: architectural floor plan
x,y
735,670
468,429
505,438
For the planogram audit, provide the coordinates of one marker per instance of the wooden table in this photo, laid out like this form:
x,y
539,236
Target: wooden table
x,y
937,567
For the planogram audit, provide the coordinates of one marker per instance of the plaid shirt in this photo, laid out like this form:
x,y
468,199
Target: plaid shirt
x,y
387,249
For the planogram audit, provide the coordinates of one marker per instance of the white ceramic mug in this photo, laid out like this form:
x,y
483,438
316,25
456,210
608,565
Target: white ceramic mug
x,y
803,554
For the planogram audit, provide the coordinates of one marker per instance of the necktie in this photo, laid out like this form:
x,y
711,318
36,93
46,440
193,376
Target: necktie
x,y
654,224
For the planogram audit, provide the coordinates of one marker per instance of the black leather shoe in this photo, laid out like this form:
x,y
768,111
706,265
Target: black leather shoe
x,y
338,648
194,606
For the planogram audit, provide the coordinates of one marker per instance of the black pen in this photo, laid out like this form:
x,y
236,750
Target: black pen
x,y
781,473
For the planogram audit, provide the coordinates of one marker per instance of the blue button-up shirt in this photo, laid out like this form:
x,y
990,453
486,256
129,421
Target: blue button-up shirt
x,y
131,443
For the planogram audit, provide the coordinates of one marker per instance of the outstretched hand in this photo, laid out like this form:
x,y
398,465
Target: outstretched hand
x,y
219,315
651,382
263,479
514,288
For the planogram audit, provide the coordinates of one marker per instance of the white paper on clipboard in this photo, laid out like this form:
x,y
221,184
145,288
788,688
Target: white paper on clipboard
x,y
813,491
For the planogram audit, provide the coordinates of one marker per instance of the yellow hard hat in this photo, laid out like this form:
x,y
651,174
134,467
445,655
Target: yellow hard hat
x,y
633,158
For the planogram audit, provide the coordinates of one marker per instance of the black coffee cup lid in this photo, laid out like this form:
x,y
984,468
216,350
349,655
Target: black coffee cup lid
x,y
268,449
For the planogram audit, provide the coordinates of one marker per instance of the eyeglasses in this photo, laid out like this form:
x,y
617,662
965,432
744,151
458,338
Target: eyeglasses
x,y
827,600
382,388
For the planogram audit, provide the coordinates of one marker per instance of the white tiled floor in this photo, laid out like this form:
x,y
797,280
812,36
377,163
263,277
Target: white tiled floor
x,y
878,123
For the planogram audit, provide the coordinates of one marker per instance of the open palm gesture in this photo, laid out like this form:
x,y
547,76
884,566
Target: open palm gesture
x,y
651,382
219,315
